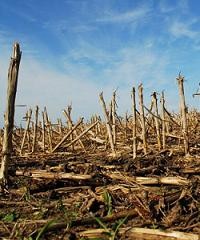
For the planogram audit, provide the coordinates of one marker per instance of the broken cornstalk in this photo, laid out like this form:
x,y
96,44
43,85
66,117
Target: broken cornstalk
x,y
140,92
27,129
108,124
183,107
10,112
35,128
155,103
134,124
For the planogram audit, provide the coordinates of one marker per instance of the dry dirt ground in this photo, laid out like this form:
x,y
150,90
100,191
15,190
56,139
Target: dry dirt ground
x,y
94,196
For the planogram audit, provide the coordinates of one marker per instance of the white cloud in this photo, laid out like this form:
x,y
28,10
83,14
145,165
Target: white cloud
x,y
122,68
125,17
183,29
136,64
86,51
167,6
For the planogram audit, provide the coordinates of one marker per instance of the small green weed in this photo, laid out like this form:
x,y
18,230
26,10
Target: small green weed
x,y
10,217
108,202
112,233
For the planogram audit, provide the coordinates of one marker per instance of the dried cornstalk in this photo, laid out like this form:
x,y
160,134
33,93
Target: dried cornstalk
x,y
60,126
113,117
155,103
183,107
27,129
151,234
134,124
163,120
68,116
82,134
140,92
10,111
148,180
171,119
108,124
125,126
49,132
43,131
138,233
69,110
98,126
35,128
50,175
67,135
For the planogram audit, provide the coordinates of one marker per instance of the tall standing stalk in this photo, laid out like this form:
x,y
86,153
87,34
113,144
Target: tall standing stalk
x,y
183,110
134,124
141,103
35,128
113,117
108,124
26,130
43,131
155,103
10,112
163,120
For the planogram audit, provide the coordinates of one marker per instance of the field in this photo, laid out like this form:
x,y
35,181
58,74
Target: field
x,y
132,177
83,186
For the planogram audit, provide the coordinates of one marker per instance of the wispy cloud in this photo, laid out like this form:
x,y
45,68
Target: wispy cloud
x,y
136,64
167,6
125,17
183,29
122,68
85,51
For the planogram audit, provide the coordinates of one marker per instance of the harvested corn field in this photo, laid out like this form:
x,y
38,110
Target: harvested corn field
x,y
110,177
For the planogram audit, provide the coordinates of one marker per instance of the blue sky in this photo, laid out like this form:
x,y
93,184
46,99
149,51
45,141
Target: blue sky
x,y
74,49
